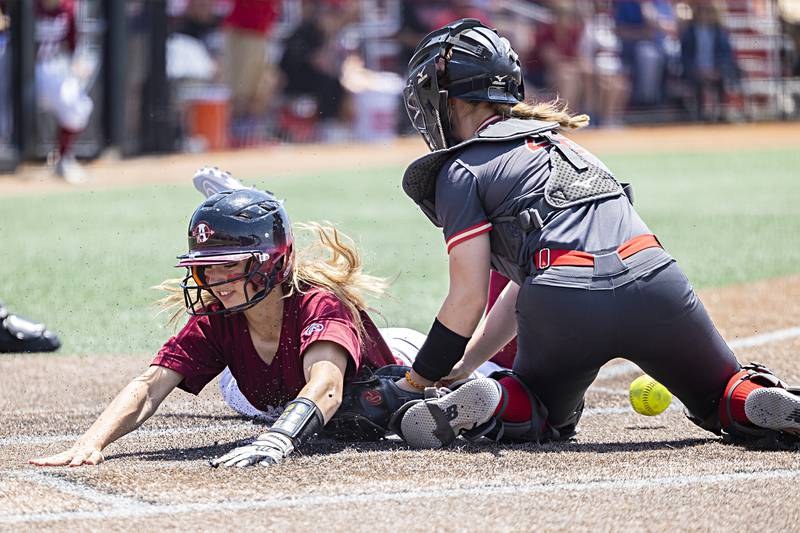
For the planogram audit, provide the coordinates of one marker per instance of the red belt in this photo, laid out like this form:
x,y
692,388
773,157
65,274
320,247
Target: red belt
x,y
546,258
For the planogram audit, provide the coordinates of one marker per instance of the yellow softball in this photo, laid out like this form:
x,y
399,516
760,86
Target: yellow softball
x,y
648,396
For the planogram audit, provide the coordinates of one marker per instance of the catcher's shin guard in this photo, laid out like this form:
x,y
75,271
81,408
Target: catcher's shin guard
x,y
771,406
436,422
536,429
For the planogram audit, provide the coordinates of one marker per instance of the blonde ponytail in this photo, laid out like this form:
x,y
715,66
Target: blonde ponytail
x,y
552,111
333,263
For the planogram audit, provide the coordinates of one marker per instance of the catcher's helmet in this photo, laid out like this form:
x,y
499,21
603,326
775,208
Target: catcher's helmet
x,y
233,226
466,60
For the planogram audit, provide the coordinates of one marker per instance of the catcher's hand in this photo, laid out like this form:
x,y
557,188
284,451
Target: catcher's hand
x,y
368,404
269,448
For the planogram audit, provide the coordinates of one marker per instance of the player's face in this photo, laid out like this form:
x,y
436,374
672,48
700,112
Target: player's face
x,y
229,294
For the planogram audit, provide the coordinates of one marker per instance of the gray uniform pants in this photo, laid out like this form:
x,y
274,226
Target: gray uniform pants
x,y
566,334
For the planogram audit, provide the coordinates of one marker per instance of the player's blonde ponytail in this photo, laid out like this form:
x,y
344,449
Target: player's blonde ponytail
x,y
332,262
552,111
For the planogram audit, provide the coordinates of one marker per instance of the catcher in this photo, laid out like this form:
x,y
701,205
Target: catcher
x,y
589,280
290,325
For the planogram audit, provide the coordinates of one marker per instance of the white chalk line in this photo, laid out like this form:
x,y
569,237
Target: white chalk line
x,y
626,367
676,405
137,509
155,432
73,488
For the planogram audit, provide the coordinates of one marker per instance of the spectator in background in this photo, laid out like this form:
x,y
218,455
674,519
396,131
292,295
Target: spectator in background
x,y
246,32
555,55
312,59
607,88
6,118
62,81
202,23
195,47
413,27
790,24
648,30
708,62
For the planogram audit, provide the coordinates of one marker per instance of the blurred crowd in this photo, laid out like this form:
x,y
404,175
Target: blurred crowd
x,y
211,74
308,70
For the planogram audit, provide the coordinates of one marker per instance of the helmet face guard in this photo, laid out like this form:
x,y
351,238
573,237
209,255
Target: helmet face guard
x,y
261,273
466,60
426,104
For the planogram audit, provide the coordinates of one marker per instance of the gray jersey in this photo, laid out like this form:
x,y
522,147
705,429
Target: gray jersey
x,y
488,182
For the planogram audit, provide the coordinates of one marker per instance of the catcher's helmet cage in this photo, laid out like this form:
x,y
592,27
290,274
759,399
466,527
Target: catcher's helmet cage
x,y
232,226
466,60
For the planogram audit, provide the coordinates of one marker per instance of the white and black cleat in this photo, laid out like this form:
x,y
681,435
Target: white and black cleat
x,y
211,180
435,423
68,169
774,408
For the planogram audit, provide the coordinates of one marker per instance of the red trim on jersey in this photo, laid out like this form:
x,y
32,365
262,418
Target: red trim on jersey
x,y
488,121
468,233
533,147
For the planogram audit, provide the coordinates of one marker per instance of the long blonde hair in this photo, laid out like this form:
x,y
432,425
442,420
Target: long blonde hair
x,y
330,262
552,111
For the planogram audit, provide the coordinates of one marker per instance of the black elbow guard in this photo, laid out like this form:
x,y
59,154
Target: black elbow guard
x,y
301,420
441,351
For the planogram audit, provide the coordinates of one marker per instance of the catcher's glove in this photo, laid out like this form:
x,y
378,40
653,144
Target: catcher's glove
x,y
368,404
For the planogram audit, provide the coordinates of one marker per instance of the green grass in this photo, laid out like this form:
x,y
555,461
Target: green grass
x,y
83,261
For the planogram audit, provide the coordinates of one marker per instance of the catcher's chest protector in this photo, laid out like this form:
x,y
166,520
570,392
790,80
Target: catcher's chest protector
x,y
572,181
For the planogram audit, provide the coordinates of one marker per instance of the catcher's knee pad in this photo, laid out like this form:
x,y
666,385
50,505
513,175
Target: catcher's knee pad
x,y
762,377
536,429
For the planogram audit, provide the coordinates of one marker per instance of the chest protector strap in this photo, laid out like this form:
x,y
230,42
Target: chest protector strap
x,y
573,181
419,180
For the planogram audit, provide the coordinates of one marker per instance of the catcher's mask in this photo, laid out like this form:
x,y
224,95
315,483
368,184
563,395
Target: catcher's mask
x,y
247,226
465,60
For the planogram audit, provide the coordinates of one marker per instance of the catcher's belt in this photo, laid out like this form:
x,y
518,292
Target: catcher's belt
x,y
546,257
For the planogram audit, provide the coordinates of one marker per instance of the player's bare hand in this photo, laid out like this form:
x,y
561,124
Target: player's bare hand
x,y
460,371
76,456
268,449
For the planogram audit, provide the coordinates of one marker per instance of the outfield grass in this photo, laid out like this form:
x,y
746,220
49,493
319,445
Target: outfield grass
x,y
83,261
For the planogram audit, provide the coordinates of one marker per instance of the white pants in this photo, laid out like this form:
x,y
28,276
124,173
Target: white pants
x,y
403,342
59,92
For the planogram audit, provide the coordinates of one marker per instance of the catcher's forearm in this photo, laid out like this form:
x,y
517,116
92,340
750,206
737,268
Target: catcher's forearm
x,y
496,331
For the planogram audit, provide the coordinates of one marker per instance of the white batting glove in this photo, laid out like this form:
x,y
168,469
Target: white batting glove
x,y
269,448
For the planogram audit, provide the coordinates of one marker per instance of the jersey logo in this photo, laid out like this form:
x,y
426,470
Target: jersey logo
x,y
313,328
587,183
372,397
202,232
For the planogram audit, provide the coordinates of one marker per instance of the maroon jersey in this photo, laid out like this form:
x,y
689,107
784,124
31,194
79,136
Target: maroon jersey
x,y
207,344
55,30
254,15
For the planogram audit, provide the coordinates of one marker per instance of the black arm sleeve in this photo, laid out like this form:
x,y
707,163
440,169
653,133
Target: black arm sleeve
x,y
441,351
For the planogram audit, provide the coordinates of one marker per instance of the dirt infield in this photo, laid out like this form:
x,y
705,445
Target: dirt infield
x,y
623,471
288,160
